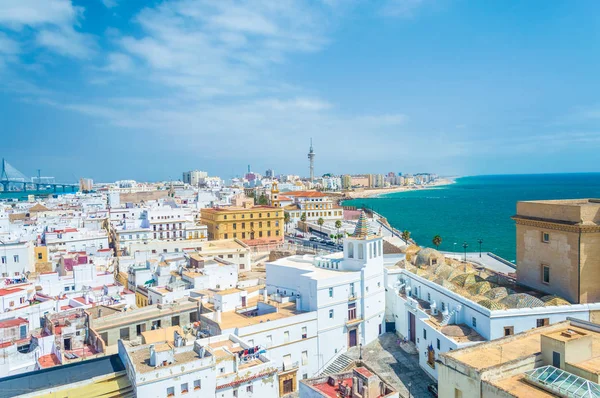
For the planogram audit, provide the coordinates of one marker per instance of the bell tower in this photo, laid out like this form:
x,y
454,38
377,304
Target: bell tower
x,y
275,195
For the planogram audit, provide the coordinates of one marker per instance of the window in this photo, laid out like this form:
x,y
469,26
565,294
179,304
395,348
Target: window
x,y
39,256
429,297
545,274
351,311
171,392
330,292
196,385
304,357
249,388
350,250
438,344
474,322
3,259
424,334
221,370
330,314
545,237
509,330
542,322
184,388
16,258
304,333
235,393
269,341
361,253
286,336
175,321
305,375
443,306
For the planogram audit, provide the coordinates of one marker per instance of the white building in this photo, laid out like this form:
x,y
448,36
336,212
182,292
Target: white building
x,y
442,307
75,240
222,366
16,258
345,289
193,177
312,205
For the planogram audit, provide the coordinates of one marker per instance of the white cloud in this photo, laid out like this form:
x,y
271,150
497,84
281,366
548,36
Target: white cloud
x,y
18,13
67,42
53,22
110,3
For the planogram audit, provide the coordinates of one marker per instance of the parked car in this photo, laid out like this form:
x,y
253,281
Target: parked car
x,y
433,389
314,239
330,243
299,236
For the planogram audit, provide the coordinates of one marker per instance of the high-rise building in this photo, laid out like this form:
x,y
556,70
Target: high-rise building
x,y
193,177
269,173
346,181
311,158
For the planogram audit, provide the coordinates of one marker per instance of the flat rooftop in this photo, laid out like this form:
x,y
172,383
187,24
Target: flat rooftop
x,y
568,211
143,314
140,358
231,319
522,345
305,263
56,376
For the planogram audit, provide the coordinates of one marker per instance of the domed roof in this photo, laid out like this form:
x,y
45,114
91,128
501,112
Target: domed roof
x,y
491,304
428,257
554,300
521,300
498,293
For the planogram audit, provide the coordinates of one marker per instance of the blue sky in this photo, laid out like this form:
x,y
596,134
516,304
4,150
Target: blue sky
x,y
113,89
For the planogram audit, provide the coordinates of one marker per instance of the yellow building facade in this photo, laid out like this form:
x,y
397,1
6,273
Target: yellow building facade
x,y
251,224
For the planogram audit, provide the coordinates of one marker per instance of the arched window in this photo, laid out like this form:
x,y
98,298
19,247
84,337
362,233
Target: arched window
x,y
350,250
361,251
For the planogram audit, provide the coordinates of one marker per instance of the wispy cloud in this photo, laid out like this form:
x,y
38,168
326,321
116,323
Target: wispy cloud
x,y
54,23
110,3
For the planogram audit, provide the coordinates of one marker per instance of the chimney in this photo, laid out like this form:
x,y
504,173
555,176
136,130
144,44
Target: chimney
x,y
152,355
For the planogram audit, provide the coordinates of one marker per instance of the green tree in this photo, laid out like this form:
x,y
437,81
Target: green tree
x,y
286,220
338,225
320,221
406,235
263,200
303,217
437,241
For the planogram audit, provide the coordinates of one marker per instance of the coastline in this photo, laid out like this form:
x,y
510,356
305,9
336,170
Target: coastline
x,y
376,192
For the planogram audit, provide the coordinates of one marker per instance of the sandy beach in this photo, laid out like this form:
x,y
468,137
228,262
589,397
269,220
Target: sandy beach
x,y
373,192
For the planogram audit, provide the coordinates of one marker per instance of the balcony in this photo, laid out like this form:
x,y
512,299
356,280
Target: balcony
x,y
352,321
352,296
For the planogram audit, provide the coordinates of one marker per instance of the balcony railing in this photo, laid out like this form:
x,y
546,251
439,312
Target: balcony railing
x,y
352,321
352,296
289,366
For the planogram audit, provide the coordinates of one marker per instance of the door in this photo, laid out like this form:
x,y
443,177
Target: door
x,y
556,359
243,301
288,387
352,338
411,330
67,344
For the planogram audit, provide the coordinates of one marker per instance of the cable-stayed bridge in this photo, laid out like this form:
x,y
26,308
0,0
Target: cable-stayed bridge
x,y
12,179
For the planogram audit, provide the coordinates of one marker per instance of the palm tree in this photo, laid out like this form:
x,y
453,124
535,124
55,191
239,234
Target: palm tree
x,y
406,235
437,241
338,225
286,219
320,221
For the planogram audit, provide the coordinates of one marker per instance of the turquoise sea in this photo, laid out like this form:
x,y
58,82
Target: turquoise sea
x,y
476,207
24,195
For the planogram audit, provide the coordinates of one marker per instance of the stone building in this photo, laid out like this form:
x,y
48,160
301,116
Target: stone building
x,y
558,247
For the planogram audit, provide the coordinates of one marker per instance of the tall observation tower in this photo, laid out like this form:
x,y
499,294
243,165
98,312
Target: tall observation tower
x,y
311,158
